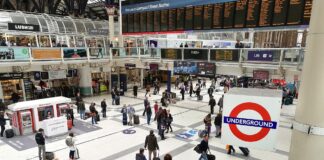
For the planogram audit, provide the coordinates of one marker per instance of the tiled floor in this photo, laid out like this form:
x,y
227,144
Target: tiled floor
x,y
110,143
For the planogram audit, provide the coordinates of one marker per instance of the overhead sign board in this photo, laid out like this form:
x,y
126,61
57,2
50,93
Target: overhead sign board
x,y
251,118
98,31
23,27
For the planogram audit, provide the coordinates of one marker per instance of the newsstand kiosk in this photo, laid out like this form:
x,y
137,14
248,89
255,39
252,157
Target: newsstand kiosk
x,y
49,113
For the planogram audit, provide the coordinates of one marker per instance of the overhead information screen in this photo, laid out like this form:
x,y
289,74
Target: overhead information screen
x,y
295,12
130,22
137,22
240,13
208,13
307,11
189,18
172,19
157,21
124,19
280,12
266,13
180,18
252,15
150,21
143,21
198,17
229,9
164,20
218,16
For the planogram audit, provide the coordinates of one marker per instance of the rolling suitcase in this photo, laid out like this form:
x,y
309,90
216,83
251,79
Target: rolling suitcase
x,y
69,124
245,151
155,92
9,133
49,155
200,98
125,120
97,117
136,119
117,101
211,157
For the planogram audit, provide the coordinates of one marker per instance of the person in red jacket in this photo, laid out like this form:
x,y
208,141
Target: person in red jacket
x,y
156,107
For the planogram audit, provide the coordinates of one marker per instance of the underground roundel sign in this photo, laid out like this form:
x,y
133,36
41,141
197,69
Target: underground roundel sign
x,y
250,123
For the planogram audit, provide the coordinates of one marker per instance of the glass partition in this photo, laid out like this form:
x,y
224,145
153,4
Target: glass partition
x,y
80,27
69,26
60,26
43,24
17,18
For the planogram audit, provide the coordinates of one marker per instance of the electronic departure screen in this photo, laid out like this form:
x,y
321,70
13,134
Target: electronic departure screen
x,y
198,17
208,13
124,19
137,22
206,69
189,18
172,19
280,12
266,13
307,11
180,18
218,16
240,13
295,12
157,21
229,9
143,21
252,15
150,21
130,23
164,20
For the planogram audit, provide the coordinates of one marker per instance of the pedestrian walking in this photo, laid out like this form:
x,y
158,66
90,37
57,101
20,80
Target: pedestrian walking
x,y
40,140
151,144
104,108
212,104
218,124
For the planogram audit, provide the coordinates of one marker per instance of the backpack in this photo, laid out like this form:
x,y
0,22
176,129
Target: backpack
x,y
198,149
68,141
38,138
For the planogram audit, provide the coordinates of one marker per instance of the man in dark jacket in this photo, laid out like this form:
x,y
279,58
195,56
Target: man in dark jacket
x,y
146,102
218,124
113,96
135,88
93,113
78,100
151,144
182,91
210,91
220,103
82,110
2,106
104,108
140,155
204,147
212,104
2,123
40,140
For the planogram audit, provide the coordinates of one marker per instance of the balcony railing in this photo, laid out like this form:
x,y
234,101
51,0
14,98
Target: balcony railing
x,y
246,56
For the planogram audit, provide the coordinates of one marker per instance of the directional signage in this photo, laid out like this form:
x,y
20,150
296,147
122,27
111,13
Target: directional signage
x,y
251,118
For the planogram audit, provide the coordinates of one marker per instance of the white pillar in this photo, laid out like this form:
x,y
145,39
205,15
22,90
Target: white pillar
x,y
142,77
111,27
310,103
85,80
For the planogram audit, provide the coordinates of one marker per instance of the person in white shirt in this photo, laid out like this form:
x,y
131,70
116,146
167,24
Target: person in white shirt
x,y
131,112
70,140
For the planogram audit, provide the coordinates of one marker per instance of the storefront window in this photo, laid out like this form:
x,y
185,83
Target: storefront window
x,y
21,40
91,42
44,41
79,42
71,40
45,113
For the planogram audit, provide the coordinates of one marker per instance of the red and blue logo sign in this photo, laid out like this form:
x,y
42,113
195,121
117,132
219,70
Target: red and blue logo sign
x,y
265,124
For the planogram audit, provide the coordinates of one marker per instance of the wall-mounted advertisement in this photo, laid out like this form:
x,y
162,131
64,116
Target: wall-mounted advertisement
x,y
75,53
261,74
184,67
14,53
206,69
260,56
224,55
46,53
171,53
60,74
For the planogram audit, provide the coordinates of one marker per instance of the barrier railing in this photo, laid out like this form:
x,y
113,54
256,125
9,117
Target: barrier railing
x,y
273,56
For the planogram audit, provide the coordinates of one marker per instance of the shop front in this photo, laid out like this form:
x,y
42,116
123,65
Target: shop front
x,y
100,82
11,87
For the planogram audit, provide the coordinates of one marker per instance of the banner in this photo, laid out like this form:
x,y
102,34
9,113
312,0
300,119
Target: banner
x,y
46,53
60,74
74,53
260,74
224,55
14,53
98,31
260,56
23,27
7,76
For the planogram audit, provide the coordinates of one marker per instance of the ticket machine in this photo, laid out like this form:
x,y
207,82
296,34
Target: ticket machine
x,y
26,118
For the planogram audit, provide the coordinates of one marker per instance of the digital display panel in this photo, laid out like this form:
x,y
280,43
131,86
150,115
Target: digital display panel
x,y
189,18
218,16
180,18
296,11
124,20
164,20
137,22
253,11
150,22
280,12
229,9
307,11
130,22
240,13
143,21
208,14
266,13
157,21
198,17
172,19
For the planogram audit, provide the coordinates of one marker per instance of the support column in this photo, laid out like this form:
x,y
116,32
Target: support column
x,y
169,81
142,78
310,103
85,81
111,27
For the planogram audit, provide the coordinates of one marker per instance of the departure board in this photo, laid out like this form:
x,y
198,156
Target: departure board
x,y
295,12
229,9
137,22
157,21
172,19
189,18
143,21
240,13
307,11
130,22
280,12
198,17
208,13
164,20
218,16
266,13
180,18
252,15
124,20
150,21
